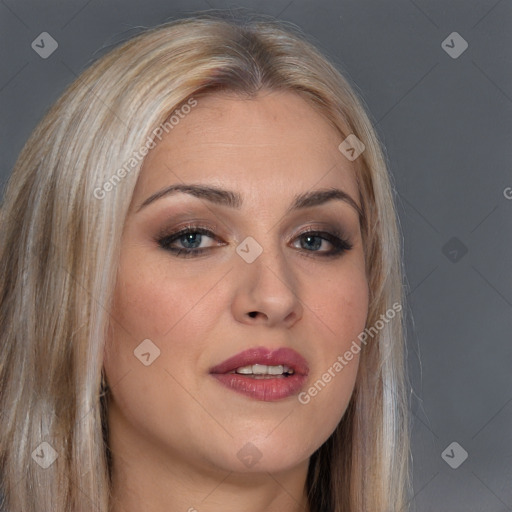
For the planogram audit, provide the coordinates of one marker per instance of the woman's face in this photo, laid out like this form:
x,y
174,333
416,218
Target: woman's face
x,y
258,282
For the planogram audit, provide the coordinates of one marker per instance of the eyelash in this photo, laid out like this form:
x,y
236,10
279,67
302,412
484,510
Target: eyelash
x,y
164,239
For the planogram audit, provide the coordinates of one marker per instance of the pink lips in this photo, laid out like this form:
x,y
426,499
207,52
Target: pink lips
x,y
267,389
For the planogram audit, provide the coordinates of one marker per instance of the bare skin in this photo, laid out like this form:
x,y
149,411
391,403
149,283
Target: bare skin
x,y
175,431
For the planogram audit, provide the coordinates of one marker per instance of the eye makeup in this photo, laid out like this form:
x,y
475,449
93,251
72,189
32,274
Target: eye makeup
x,y
175,240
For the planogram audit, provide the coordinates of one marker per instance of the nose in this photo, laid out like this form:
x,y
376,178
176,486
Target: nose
x,y
267,292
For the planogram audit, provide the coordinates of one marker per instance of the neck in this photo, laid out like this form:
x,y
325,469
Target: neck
x,y
147,477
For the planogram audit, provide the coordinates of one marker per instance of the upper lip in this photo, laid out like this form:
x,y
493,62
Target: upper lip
x,y
262,355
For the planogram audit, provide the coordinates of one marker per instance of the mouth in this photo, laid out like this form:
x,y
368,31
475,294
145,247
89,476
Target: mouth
x,y
263,362
263,374
263,371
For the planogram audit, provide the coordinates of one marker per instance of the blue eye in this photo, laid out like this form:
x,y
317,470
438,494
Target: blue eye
x,y
185,242
191,237
314,239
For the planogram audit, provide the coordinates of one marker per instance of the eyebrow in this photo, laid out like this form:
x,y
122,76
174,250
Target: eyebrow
x,y
234,199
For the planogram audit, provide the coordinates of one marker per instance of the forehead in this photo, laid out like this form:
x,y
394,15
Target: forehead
x,y
275,141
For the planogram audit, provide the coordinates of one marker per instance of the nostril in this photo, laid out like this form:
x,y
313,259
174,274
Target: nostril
x,y
252,314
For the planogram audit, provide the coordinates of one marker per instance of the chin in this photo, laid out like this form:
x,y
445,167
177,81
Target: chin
x,y
265,454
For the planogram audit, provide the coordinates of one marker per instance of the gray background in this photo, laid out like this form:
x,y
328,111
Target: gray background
x,y
446,124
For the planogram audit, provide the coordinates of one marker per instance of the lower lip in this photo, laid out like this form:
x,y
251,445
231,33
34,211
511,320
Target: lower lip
x,y
266,389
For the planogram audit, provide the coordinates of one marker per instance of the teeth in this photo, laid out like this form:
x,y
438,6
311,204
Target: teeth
x,y
263,369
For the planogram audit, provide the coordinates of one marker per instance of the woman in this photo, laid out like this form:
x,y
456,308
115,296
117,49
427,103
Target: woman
x,y
201,286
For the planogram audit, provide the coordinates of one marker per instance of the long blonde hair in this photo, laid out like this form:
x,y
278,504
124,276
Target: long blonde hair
x,y
59,251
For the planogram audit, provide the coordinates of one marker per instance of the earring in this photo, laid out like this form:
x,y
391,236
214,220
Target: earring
x,y
104,386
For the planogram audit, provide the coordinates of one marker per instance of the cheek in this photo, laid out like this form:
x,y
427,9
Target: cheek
x,y
143,308
152,303
340,310
341,306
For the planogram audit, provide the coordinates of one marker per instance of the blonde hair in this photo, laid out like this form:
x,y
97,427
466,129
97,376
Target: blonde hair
x,y
59,252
